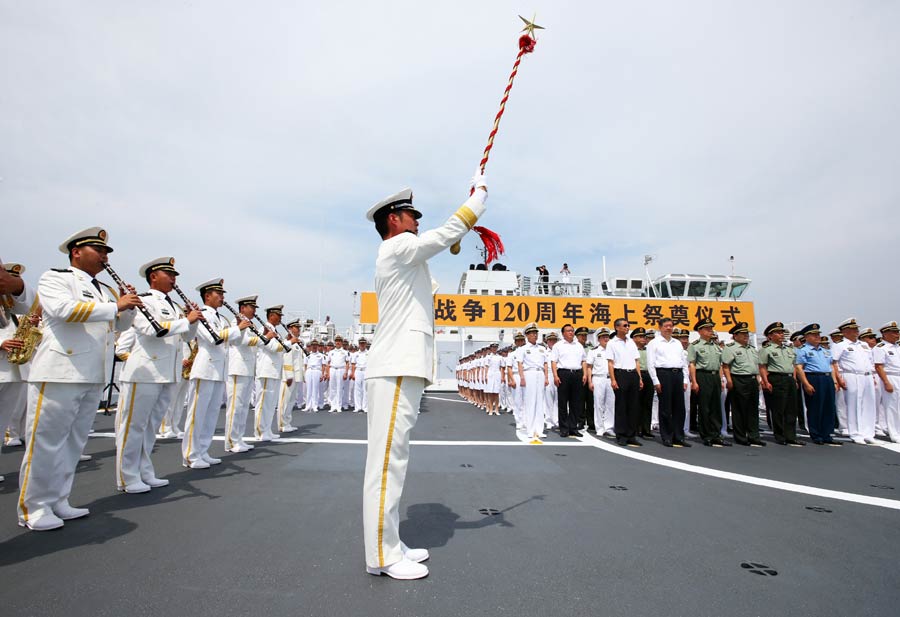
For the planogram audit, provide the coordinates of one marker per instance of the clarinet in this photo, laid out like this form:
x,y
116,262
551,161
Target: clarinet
x,y
277,336
191,305
253,329
160,331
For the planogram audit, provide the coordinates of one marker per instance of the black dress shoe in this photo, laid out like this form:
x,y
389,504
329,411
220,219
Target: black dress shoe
x,y
681,443
667,443
781,442
727,444
741,442
795,443
646,435
621,442
832,442
707,442
563,433
634,443
579,426
818,442
575,434
758,443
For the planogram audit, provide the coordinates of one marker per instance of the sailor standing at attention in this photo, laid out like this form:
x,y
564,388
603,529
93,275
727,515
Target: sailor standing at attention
x,y
401,365
601,386
68,371
531,370
292,377
207,387
336,374
150,377
358,375
887,364
269,370
551,412
313,376
855,376
16,298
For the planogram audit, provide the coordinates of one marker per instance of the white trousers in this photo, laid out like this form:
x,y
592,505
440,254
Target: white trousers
x,y
202,415
880,422
336,389
239,389
517,398
890,406
533,403
359,390
13,402
60,416
551,408
285,404
300,393
140,410
604,404
265,406
348,390
687,410
840,402
313,384
172,419
323,391
860,397
394,408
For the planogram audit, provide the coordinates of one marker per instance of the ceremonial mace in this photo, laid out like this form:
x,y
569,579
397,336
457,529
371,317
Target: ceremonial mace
x,y
492,244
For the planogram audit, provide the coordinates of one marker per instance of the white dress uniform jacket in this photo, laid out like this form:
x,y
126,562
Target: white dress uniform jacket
x,y
76,354
270,359
209,363
155,359
404,340
242,352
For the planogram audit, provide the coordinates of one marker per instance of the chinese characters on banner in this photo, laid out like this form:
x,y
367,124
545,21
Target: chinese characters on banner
x,y
516,311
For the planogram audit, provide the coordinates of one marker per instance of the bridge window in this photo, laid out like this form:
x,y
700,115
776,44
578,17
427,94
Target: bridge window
x,y
697,289
718,289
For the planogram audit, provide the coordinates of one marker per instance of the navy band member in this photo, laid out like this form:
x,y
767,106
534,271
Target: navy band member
x,y
269,371
149,378
291,378
68,371
401,365
817,375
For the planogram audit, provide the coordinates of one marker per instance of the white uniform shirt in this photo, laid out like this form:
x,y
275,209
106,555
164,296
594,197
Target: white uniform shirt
x,y
79,329
623,353
531,357
888,354
155,359
663,354
494,362
597,360
361,360
853,357
568,355
337,358
315,360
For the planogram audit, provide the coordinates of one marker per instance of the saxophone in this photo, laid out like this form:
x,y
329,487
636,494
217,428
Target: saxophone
x,y
186,370
29,333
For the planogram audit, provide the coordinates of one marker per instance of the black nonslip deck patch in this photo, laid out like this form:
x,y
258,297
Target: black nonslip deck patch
x,y
759,568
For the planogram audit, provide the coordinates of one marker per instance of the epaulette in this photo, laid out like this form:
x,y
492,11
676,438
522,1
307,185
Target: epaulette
x,y
766,343
729,344
145,294
62,270
699,340
881,344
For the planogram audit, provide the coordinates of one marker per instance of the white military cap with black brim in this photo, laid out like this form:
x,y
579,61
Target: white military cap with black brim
x,y
14,268
160,264
295,323
92,236
397,202
278,309
247,301
212,285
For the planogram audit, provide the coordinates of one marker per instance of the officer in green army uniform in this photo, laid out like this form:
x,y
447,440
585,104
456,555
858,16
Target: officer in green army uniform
x,y
741,366
705,365
776,373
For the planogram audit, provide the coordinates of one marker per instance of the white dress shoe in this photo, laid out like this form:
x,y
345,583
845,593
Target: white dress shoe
x,y
84,458
13,443
248,446
169,435
415,554
44,523
197,465
137,487
156,482
2,479
67,513
404,570
211,459
871,442
859,442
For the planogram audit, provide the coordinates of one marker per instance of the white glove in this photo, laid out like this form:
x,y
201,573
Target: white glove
x,y
479,180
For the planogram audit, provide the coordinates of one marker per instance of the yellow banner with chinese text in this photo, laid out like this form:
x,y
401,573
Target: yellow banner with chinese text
x,y
517,311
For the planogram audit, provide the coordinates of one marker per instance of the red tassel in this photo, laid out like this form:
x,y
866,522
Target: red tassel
x,y
493,245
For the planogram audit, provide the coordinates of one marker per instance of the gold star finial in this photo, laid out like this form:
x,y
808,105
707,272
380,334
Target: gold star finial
x,y
530,26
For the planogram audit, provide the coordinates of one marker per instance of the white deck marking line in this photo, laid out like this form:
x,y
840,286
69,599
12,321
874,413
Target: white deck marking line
x,y
449,400
414,442
738,477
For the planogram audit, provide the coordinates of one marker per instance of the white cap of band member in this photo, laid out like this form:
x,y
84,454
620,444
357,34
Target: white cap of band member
x,y
14,268
212,285
92,236
277,309
394,203
248,301
294,323
164,264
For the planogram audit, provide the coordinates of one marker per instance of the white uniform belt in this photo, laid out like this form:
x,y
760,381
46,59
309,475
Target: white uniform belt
x,y
532,369
315,368
857,373
892,374
601,375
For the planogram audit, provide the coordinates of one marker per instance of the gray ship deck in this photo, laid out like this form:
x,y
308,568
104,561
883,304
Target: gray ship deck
x,y
277,531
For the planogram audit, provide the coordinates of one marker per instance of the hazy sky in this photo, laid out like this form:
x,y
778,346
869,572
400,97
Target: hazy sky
x,y
248,139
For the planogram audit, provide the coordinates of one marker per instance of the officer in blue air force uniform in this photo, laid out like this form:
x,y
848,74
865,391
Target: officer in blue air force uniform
x,y
401,365
816,373
71,364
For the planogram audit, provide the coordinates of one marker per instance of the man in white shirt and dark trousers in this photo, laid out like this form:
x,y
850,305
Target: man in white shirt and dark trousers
x,y
665,363
569,363
401,364
625,375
